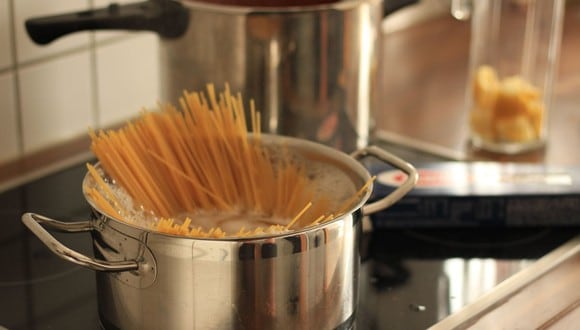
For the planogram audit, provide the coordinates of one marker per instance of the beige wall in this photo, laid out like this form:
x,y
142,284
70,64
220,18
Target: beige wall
x,y
50,94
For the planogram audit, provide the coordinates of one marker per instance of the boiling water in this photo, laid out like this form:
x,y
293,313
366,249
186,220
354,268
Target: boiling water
x,y
326,181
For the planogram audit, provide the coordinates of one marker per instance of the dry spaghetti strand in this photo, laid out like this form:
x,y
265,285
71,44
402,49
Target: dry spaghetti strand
x,y
202,158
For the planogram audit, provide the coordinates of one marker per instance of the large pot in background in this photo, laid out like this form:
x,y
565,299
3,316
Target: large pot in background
x,y
305,279
310,66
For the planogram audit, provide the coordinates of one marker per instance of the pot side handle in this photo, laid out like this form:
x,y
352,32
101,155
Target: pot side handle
x,y
34,222
402,190
168,18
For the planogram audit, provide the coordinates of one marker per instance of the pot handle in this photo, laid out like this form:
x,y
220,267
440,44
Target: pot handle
x,y
166,17
402,190
34,222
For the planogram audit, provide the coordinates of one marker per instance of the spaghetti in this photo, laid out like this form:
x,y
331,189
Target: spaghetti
x,y
201,164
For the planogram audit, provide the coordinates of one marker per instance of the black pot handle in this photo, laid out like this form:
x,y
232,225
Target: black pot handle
x,y
166,17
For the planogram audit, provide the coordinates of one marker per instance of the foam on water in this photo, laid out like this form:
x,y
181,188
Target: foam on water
x,y
327,180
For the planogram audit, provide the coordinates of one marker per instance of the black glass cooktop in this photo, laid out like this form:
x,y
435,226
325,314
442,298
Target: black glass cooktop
x,y
410,279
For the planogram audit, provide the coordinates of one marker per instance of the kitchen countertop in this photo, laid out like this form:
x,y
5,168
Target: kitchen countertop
x,y
422,78
538,297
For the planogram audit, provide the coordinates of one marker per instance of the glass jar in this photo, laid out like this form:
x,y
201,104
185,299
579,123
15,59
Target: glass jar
x,y
514,54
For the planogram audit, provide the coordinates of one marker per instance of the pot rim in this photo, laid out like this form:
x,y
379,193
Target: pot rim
x,y
234,9
339,159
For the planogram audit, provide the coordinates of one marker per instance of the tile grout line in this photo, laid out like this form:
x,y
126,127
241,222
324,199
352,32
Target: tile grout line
x,y
16,80
95,104
70,51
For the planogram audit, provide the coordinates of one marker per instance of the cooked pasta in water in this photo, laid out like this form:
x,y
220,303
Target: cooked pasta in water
x,y
200,172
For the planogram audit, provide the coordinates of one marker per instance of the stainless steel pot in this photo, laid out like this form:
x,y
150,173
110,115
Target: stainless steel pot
x,y
306,279
311,69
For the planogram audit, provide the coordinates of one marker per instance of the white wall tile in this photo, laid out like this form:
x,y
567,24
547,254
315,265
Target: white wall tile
x,y
56,100
5,46
26,9
8,121
128,78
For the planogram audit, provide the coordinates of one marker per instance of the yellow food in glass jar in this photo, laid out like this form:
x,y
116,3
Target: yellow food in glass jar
x,y
507,110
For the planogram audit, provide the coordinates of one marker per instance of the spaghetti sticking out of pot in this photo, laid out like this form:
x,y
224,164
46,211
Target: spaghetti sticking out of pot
x,y
200,172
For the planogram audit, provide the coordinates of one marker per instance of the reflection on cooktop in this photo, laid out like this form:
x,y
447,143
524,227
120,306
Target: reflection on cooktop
x,y
413,278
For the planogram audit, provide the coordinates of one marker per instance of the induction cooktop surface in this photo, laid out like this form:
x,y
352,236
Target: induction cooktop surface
x,y
410,278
